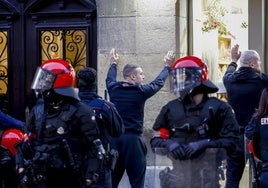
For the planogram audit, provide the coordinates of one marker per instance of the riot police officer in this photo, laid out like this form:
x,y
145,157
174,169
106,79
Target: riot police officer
x,y
8,138
60,150
193,128
257,131
7,122
10,133
109,122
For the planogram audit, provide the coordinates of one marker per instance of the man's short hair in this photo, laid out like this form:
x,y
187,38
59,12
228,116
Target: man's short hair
x,y
248,56
88,75
129,69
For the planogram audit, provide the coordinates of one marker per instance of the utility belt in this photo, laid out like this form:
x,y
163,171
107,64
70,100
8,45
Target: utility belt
x,y
110,158
107,156
46,157
201,130
49,156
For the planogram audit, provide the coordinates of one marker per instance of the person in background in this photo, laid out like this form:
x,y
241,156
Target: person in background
x,y
195,129
7,121
129,97
109,122
11,132
243,88
60,150
257,131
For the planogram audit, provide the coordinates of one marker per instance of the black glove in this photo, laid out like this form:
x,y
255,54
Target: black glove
x,y
193,147
175,149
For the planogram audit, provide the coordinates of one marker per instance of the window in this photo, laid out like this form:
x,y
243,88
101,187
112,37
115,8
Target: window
x,y
217,26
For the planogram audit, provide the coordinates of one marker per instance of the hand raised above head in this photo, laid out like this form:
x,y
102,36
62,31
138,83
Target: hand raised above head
x,y
114,57
169,58
235,53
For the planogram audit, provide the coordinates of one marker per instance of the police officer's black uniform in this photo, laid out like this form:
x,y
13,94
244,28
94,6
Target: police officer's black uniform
x,y
10,132
189,129
183,118
257,130
60,151
109,121
212,119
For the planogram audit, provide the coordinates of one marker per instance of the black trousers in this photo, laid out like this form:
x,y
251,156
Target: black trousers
x,y
64,178
132,158
8,177
236,164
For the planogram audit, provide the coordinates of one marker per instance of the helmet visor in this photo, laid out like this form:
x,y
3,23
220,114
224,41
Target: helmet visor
x,y
43,80
184,79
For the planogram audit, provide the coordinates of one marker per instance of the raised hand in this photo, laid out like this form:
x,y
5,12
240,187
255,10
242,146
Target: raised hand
x,y
235,53
114,57
169,58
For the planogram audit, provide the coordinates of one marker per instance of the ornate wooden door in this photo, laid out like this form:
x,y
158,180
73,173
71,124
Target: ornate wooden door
x,y
32,31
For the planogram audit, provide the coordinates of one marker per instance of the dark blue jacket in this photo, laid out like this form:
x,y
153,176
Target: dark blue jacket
x,y
109,121
244,88
257,130
7,121
130,99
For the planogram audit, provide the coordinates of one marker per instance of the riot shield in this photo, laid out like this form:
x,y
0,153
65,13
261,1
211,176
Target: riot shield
x,y
205,171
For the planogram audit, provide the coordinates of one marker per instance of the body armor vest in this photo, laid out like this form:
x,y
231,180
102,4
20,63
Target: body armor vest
x,y
191,123
52,130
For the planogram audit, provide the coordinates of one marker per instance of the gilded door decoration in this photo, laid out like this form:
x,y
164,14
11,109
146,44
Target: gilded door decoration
x,y
65,44
3,70
3,62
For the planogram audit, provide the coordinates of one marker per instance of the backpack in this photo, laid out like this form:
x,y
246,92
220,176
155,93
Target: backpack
x,y
107,114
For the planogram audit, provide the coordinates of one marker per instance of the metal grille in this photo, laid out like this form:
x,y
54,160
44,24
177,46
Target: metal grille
x,y
69,45
3,70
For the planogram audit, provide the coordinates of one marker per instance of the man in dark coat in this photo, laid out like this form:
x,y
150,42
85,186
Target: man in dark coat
x,y
243,87
129,97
